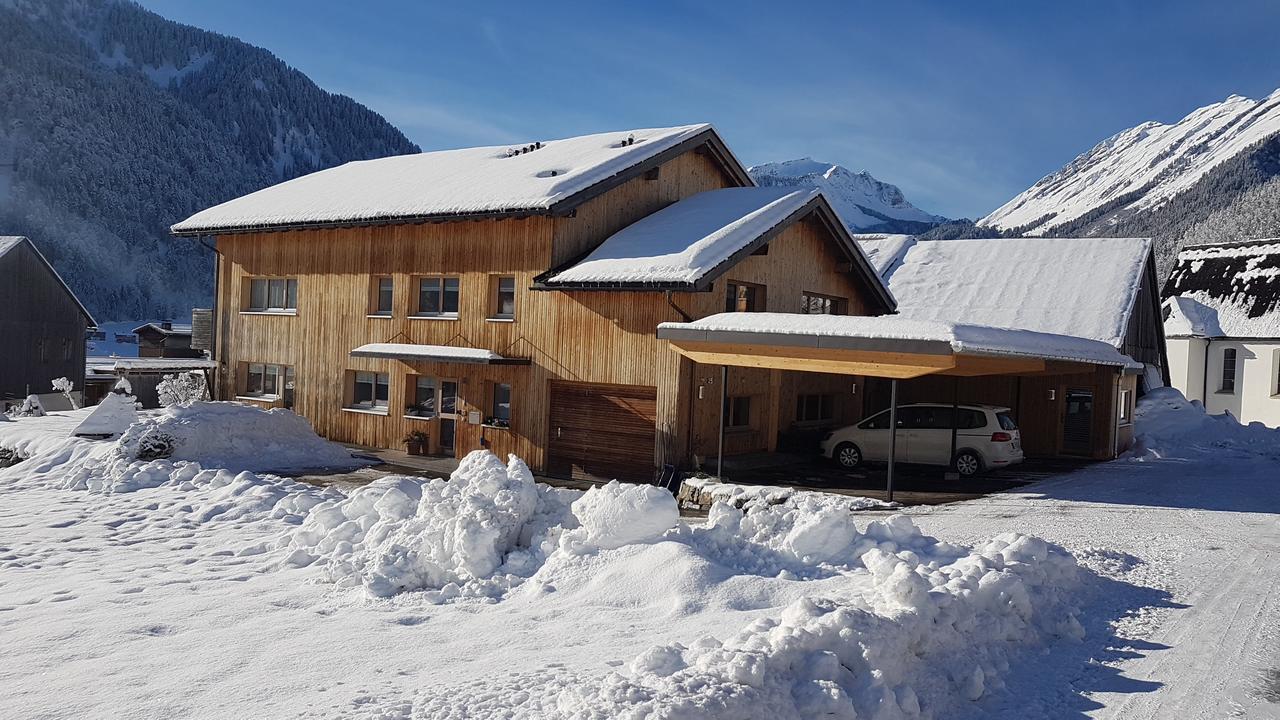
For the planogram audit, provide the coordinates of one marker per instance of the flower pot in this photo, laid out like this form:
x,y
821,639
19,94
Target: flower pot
x,y
416,448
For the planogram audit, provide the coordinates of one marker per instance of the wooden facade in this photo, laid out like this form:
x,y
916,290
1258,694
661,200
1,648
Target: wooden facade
x,y
41,322
571,339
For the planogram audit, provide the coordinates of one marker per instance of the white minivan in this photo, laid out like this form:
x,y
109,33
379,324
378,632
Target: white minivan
x,y
986,438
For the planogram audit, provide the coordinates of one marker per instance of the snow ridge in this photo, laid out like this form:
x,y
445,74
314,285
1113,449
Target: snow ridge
x,y
862,201
1141,168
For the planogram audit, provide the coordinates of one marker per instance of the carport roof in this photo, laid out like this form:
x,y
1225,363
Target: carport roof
x,y
884,346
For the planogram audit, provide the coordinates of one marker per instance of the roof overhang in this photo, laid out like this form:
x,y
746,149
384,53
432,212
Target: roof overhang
x,y
435,353
891,354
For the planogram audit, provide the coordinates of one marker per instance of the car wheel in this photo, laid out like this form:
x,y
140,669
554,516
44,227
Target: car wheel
x,y
967,463
848,455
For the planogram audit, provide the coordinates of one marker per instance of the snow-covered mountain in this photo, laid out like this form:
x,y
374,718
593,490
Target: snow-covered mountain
x,y
863,202
1154,179
115,122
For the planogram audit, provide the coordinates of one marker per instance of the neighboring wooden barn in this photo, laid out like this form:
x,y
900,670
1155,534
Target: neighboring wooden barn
x,y
42,324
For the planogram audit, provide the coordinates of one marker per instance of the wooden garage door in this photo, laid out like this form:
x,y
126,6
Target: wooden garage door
x,y
602,432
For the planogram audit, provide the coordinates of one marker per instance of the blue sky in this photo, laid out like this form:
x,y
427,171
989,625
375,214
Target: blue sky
x,y
960,104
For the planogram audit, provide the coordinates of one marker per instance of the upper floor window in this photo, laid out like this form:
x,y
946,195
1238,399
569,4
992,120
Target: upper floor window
x,y
382,295
273,295
743,297
1228,371
504,298
438,297
816,304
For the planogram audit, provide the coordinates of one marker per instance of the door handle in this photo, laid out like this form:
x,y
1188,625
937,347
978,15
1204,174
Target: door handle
x,y
558,429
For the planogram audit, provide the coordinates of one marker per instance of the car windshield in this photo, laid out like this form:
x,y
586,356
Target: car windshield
x,y
1006,422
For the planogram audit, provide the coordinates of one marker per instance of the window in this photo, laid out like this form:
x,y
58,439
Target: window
x,y
42,350
448,397
504,298
265,380
737,412
501,414
273,295
370,391
815,408
1228,371
438,297
383,296
1275,373
423,395
743,297
66,349
815,304
1126,407
879,421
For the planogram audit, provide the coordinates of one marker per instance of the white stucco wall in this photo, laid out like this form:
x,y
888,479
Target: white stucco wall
x,y
1256,397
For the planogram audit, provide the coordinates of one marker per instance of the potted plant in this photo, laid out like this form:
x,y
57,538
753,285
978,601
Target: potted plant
x,y
416,442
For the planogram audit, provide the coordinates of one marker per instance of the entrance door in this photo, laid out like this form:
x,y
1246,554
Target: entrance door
x,y
602,432
448,416
1077,425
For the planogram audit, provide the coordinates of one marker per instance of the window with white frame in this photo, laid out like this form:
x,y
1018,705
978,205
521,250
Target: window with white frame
x,y
370,391
422,396
500,413
1275,372
382,296
273,295
504,298
1126,407
1228,384
437,297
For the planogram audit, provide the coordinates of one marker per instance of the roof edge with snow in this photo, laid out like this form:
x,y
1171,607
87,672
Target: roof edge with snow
x,y
707,136
23,239
818,205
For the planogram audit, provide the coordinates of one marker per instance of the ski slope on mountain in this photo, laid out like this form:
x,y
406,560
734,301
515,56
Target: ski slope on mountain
x,y
1142,168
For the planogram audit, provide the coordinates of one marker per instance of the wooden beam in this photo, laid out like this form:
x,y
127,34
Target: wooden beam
x,y
972,366
874,357
775,410
900,370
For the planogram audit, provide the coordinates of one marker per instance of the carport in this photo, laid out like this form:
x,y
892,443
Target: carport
x,y
890,346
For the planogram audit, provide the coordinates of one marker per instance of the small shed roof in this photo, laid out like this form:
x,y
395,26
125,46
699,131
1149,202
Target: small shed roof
x,y
9,242
1082,287
437,353
1229,290
527,178
173,329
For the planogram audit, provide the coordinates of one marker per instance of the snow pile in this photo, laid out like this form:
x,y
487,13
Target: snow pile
x,y
923,635
475,535
1169,425
235,436
708,491
113,416
614,515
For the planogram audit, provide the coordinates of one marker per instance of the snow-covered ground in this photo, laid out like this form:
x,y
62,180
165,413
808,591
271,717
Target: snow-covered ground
x,y
163,588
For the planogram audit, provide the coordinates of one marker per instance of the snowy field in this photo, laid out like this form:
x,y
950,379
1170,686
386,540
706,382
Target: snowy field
x,y
201,585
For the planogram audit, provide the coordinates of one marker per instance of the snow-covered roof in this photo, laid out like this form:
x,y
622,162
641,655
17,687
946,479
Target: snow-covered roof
x,y
1084,287
884,250
437,353
173,329
889,333
534,177
1230,290
9,242
111,364
686,240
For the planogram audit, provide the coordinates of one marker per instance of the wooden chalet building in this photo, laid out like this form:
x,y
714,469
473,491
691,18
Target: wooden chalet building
x,y
42,323
511,298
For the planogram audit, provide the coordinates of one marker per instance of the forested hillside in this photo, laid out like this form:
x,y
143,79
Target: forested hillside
x,y
115,123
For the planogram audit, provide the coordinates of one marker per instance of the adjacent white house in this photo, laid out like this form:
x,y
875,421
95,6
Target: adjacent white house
x,y
1222,325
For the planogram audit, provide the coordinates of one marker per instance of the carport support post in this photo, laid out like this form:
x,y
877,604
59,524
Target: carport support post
x,y
724,400
955,417
893,436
